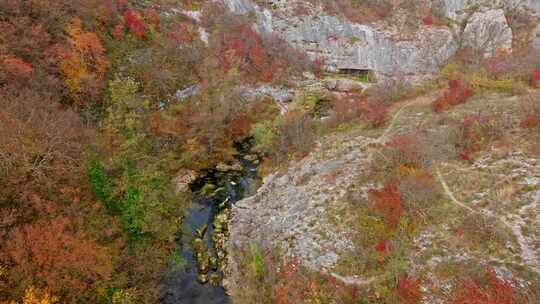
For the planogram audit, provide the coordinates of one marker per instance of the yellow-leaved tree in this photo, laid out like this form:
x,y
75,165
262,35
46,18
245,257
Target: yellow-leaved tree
x,y
33,296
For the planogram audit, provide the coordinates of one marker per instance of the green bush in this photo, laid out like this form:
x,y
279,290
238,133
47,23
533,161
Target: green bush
x,y
150,207
265,135
101,185
257,263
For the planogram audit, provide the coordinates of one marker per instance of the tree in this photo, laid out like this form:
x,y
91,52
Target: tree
x,y
33,296
48,253
83,63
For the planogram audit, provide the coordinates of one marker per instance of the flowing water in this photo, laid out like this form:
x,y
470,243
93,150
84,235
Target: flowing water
x,y
181,285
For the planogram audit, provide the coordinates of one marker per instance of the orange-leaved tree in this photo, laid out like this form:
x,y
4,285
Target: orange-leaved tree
x,y
53,253
83,63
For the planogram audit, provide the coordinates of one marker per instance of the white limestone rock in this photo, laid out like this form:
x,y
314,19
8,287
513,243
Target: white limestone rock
x,y
488,32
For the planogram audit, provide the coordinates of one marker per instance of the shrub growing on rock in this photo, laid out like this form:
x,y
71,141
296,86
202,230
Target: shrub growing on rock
x,y
387,201
476,132
408,290
495,291
535,78
374,112
457,93
531,113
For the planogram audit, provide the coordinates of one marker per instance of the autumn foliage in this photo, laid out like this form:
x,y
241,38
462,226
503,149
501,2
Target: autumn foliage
x,y
531,113
387,201
408,290
428,20
16,67
83,63
260,57
457,93
496,291
374,112
249,50
35,296
47,252
535,78
135,23
281,280
476,132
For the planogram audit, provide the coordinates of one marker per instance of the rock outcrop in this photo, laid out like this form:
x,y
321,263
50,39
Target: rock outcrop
x,y
536,38
381,48
342,44
289,211
457,10
488,32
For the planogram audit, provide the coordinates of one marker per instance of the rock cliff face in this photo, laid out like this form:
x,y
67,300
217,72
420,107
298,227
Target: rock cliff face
x,y
457,9
487,32
344,44
289,211
382,48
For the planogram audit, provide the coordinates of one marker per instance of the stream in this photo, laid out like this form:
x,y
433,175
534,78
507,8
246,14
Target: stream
x,y
183,286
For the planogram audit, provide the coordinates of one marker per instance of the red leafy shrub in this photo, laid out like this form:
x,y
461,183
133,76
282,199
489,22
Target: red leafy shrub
x,y
499,66
49,253
408,290
180,35
382,247
118,32
344,108
428,20
374,112
496,291
387,201
420,192
16,67
264,58
318,66
239,127
151,15
404,151
535,78
476,132
531,113
457,93
135,23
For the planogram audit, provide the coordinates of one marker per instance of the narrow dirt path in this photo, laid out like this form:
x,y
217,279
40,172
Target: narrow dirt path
x,y
350,280
415,101
528,254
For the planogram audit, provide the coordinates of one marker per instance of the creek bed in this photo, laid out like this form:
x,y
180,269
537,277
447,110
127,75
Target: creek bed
x,y
199,282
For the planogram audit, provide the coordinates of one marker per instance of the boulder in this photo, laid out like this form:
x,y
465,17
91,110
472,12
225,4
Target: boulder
x,y
487,32
344,85
187,92
536,38
278,94
183,178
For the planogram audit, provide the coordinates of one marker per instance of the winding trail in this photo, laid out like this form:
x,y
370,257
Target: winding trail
x,y
415,101
354,280
528,254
